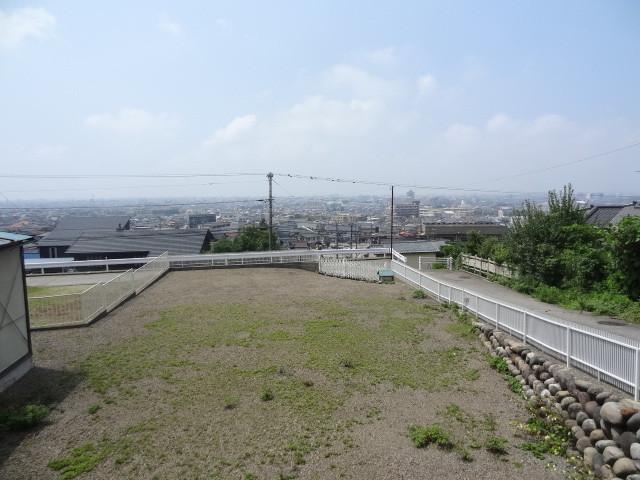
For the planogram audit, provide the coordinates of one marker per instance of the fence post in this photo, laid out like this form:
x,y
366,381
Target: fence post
x,y
477,313
636,393
524,332
438,291
420,264
497,315
133,281
569,346
463,299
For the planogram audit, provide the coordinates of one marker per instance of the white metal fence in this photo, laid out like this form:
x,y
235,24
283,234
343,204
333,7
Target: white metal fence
x,y
353,269
81,308
484,266
611,358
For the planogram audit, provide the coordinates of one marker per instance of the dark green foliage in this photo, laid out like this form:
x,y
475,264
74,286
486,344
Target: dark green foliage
x,y
418,294
267,395
497,445
93,409
423,436
499,364
626,249
24,418
252,239
549,436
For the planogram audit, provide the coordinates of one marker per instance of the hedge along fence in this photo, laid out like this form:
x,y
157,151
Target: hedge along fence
x,y
353,269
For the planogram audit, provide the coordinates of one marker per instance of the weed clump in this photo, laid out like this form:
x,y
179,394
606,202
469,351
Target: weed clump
x,y
24,418
423,436
267,395
419,294
231,402
497,445
82,459
93,409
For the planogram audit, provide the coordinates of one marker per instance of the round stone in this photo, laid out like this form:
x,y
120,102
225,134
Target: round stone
x,y
602,397
590,407
604,443
583,443
589,426
554,388
624,467
612,454
633,423
612,413
625,440
634,451
589,453
578,433
573,409
566,401
581,417
562,394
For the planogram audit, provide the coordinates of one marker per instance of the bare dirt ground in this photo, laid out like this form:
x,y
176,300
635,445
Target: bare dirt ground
x,y
266,373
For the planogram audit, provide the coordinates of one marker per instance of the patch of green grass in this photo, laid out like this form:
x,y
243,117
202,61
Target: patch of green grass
x,y
497,445
471,375
81,460
93,409
24,418
550,436
499,364
231,402
267,395
419,294
462,326
33,291
423,436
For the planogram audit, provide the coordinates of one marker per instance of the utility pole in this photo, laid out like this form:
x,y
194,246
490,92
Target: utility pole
x,y
270,178
391,222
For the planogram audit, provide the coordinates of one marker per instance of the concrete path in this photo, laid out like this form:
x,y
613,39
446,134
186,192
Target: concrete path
x,y
489,289
75,279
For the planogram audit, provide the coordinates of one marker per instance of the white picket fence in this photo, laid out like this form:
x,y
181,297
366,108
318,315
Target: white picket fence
x,y
611,358
353,269
82,308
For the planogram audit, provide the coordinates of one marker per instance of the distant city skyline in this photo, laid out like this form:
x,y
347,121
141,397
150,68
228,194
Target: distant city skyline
x,y
483,96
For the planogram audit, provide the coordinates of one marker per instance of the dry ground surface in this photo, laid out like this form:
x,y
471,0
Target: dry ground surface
x,y
266,373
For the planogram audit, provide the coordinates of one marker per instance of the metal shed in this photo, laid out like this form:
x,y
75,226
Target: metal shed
x,y
15,336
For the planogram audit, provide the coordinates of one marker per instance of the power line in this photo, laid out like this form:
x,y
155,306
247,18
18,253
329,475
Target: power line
x,y
117,175
128,187
560,165
84,207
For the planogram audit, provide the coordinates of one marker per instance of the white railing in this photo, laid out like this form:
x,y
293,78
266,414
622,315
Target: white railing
x,y
430,263
611,358
82,308
211,259
353,269
483,266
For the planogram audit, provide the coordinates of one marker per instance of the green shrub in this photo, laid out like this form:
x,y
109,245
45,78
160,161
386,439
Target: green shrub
x,y
497,445
267,395
24,418
547,294
423,436
418,294
82,459
499,364
93,409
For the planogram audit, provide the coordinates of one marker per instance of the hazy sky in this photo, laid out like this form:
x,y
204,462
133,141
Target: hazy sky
x,y
437,93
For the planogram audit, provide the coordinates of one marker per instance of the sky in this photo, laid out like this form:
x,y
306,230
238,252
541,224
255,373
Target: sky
x,y
480,95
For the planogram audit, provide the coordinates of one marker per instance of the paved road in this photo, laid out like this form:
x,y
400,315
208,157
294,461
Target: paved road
x,y
75,279
506,295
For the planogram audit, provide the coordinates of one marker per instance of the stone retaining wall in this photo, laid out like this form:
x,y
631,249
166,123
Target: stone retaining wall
x,y
604,424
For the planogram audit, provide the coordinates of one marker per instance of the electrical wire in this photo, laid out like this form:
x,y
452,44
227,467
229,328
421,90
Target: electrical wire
x,y
84,207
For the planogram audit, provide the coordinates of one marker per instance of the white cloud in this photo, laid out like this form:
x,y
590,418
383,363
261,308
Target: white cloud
x,y
132,121
501,123
384,56
170,26
427,84
358,82
234,130
18,25
223,25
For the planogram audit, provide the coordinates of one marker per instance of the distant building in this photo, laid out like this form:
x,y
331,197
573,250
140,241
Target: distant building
x,y
196,221
15,333
411,209
610,215
69,229
460,231
134,243
420,248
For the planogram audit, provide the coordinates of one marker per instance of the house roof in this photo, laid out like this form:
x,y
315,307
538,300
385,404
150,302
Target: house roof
x,y
606,215
464,228
418,246
68,229
7,238
146,243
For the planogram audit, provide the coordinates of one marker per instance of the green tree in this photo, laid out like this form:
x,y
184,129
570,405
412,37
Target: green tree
x,y
626,253
252,239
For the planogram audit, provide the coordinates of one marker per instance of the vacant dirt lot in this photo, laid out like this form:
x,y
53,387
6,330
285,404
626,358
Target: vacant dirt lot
x,y
266,373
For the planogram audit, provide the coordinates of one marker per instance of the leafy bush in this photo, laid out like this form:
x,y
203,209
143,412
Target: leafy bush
x,y
24,418
499,364
267,395
423,436
418,294
548,294
497,445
